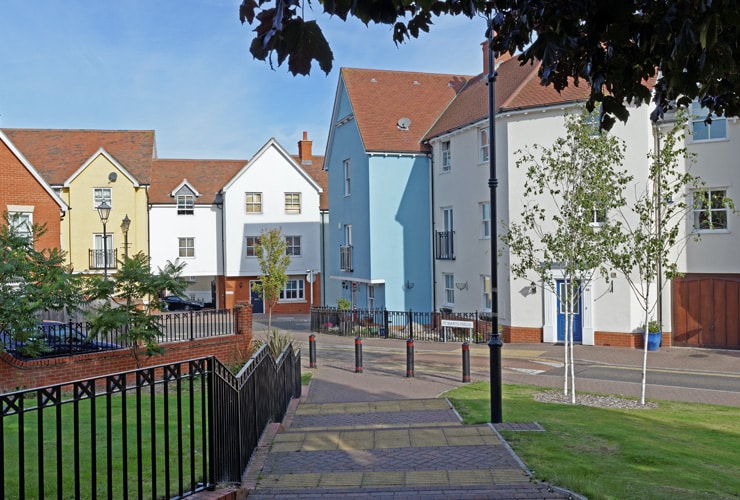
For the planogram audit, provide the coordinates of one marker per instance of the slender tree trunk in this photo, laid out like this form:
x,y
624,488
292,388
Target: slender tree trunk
x,y
565,353
646,334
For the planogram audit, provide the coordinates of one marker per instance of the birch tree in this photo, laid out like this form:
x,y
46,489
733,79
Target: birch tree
x,y
656,225
571,190
274,264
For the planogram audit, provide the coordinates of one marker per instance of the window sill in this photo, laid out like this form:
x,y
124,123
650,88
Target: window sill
x,y
708,141
711,231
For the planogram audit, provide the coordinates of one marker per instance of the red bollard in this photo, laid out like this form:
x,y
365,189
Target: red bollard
x,y
466,362
358,355
312,351
410,357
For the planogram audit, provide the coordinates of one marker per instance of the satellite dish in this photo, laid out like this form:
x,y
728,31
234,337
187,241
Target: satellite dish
x,y
404,123
112,176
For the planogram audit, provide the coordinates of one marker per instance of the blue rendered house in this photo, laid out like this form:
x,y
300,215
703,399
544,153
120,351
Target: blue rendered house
x,y
379,177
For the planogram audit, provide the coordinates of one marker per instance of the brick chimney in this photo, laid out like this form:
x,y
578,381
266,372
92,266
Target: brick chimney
x,y
498,58
304,150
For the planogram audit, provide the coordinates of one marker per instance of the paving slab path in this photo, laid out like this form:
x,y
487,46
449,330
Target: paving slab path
x,y
399,448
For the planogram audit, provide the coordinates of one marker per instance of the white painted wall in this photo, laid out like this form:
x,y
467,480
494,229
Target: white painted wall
x,y
273,173
167,226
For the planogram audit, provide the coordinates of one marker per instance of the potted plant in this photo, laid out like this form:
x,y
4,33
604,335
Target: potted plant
x,y
655,334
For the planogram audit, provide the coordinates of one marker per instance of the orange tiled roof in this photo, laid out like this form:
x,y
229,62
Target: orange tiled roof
x,y
206,176
517,87
57,154
380,98
319,175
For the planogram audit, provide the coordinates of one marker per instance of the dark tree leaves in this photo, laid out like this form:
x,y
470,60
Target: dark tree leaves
x,y
686,49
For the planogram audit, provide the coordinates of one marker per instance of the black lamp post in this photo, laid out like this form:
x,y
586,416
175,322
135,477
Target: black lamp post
x,y
104,213
494,344
125,224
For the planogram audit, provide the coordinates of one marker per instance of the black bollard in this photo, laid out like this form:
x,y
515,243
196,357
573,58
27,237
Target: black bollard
x,y
358,355
312,351
410,357
466,362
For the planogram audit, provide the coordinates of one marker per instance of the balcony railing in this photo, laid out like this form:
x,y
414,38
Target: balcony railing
x,y
345,258
445,245
98,260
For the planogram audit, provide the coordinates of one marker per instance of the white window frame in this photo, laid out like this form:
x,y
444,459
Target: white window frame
x,y
348,235
486,293
483,145
253,203
21,223
449,283
185,204
698,115
294,290
185,245
347,177
251,249
371,297
485,219
597,217
293,203
100,195
293,246
698,212
448,219
446,154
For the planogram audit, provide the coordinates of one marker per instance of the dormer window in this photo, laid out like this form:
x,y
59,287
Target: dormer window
x,y
185,204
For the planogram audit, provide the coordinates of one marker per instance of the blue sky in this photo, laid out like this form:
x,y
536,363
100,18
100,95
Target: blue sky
x,y
183,69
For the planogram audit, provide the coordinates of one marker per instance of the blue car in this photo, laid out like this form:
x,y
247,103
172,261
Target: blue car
x,y
66,338
54,338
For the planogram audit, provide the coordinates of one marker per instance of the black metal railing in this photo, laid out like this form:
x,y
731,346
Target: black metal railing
x,y
98,260
160,432
190,325
55,339
445,245
345,258
470,326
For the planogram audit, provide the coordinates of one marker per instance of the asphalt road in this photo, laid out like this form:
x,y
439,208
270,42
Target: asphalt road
x,y
447,363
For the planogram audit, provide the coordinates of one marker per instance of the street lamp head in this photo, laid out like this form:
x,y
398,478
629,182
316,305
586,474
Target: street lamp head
x,y
104,211
125,224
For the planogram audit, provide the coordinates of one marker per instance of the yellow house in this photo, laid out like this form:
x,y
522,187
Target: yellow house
x,y
90,168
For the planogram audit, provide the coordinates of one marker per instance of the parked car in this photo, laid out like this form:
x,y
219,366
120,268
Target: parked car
x,y
54,338
64,338
175,303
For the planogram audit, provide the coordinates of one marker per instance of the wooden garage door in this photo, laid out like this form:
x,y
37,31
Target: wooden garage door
x,y
706,310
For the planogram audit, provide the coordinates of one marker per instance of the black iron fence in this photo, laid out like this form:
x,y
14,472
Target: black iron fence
x,y
57,338
160,432
433,326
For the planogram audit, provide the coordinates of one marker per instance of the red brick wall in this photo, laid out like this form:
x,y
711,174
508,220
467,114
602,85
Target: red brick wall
x,y
242,294
16,374
19,187
633,340
521,335
524,335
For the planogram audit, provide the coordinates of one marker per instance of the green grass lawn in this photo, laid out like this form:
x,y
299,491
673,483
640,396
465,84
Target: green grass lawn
x,y
678,450
156,454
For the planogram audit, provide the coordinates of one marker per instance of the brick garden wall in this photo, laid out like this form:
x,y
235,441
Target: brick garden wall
x,y
524,335
633,340
16,374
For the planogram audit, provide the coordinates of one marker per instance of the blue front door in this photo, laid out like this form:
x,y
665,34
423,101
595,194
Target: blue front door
x,y
563,299
258,306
